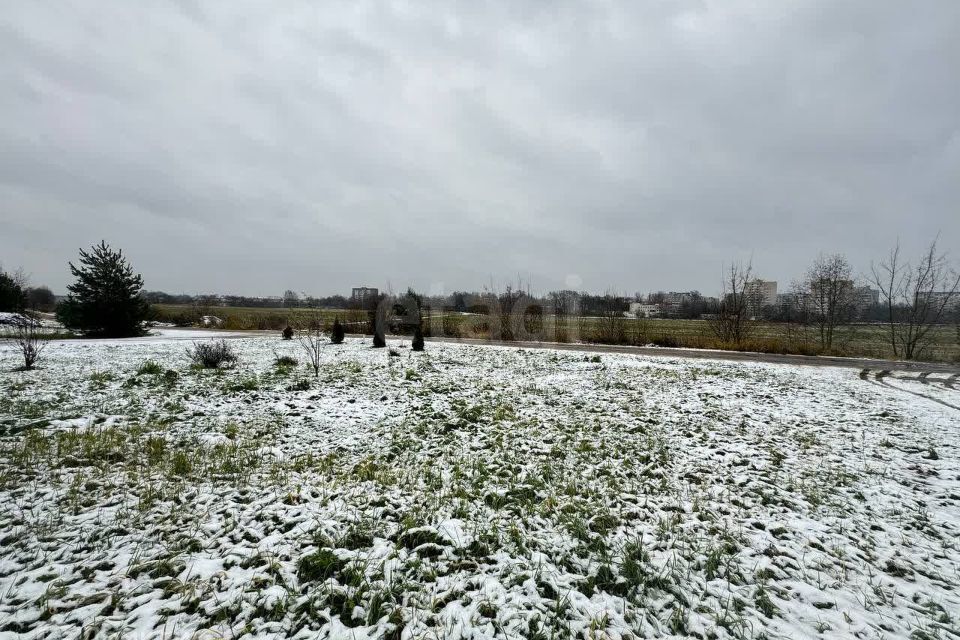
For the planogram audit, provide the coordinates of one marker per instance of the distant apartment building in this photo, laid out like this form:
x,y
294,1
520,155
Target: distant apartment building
x,y
679,298
761,293
764,290
949,299
865,297
361,295
643,310
788,300
859,299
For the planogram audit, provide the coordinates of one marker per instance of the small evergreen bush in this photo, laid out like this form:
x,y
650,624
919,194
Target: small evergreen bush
x,y
106,299
418,338
337,332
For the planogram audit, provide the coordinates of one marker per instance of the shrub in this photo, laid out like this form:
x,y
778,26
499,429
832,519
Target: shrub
x,y
337,332
149,368
213,354
26,335
287,333
183,320
312,341
285,362
667,341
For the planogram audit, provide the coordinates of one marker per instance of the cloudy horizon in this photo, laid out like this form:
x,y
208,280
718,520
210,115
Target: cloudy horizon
x,y
249,149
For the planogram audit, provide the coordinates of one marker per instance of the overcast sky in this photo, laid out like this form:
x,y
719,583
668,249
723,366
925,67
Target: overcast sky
x,y
252,147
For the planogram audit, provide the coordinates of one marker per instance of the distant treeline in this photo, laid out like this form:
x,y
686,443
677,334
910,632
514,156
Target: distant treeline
x,y
693,307
212,300
461,301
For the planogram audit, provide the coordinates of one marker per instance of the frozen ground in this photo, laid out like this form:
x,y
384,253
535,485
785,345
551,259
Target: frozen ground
x,y
470,492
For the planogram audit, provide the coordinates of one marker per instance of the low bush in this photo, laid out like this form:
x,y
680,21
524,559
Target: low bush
x,y
667,341
285,362
318,566
213,354
149,368
26,335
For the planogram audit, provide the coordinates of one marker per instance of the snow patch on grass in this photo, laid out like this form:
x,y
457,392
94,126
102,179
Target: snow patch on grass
x,y
470,492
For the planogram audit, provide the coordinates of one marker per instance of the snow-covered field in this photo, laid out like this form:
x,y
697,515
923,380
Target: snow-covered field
x,y
470,492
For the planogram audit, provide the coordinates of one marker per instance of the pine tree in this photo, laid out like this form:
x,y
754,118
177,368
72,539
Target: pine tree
x,y
105,300
418,337
337,333
377,322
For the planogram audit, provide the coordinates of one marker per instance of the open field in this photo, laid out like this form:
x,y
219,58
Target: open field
x,y
253,318
470,492
860,340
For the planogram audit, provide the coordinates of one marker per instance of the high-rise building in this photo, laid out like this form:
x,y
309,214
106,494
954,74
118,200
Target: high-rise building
x,y
761,293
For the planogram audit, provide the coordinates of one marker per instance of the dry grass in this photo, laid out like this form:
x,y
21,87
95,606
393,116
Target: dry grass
x,y
857,340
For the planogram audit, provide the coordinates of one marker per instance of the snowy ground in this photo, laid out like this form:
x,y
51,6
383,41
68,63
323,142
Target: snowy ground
x,y
470,492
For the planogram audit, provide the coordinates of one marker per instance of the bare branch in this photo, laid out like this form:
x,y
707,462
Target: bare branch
x,y
26,334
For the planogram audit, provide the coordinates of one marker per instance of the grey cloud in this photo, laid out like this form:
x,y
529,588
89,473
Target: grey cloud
x,y
252,148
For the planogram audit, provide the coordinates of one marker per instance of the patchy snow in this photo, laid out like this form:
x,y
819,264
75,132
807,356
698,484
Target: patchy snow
x,y
17,319
471,492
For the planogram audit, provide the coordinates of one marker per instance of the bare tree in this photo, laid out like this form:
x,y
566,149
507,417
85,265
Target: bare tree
x,y
565,306
311,337
916,298
794,313
829,296
611,321
26,334
507,300
731,323
641,329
